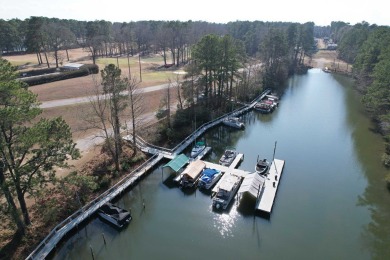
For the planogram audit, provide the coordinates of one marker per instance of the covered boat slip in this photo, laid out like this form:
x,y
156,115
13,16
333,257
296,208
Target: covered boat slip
x,y
252,184
177,163
193,171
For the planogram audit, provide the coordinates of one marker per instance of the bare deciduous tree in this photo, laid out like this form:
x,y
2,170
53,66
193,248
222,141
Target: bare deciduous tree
x,y
136,106
107,109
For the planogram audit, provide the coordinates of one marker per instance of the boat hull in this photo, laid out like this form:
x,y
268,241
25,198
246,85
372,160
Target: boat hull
x,y
119,219
227,158
223,202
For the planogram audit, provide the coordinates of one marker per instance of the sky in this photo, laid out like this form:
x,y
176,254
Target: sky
x,y
322,13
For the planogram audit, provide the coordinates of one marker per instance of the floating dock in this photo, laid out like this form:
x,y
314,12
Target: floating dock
x,y
202,154
231,170
266,199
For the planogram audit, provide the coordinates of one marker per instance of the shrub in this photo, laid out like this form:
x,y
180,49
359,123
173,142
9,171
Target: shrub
x,y
387,179
38,72
386,159
104,182
47,78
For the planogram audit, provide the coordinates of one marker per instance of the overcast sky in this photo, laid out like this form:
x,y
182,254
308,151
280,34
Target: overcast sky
x,y
319,12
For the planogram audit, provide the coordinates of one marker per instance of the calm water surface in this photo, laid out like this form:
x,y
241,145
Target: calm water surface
x,y
331,204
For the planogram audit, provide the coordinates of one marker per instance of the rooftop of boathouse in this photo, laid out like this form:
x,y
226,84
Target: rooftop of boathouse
x,y
177,163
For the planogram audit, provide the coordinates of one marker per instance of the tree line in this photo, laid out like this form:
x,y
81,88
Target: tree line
x,y
366,46
42,35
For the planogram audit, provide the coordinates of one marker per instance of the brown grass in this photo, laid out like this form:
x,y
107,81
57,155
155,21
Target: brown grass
x,y
328,58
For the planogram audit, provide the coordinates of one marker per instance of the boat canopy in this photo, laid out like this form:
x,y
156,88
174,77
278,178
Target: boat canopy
x,y
178,162
194,169
210,172
228,183
251,184
200,143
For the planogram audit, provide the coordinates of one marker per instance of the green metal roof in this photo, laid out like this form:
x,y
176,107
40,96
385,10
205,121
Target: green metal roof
x,y
178,162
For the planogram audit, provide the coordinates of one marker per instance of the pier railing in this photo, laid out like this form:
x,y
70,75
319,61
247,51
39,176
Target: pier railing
x,y
153,149
59,231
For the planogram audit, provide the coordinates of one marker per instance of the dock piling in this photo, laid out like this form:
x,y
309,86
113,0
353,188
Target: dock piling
x,y
104,239
93,257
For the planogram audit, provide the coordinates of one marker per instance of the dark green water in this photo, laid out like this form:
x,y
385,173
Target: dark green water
x,y
331,204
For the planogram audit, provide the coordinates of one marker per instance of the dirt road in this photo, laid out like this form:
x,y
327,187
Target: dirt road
x,y
86,99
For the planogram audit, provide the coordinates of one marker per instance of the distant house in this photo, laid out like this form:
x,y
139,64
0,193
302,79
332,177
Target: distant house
x,y
71,66
331,46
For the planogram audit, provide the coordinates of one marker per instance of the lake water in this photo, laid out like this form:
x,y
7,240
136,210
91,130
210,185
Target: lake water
x,y
332,202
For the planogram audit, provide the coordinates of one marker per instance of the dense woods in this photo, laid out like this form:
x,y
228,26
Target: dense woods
x,y
367,48
174,40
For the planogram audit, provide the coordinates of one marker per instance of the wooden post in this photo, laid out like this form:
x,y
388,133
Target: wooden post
x,y
104,239
93,257
273,160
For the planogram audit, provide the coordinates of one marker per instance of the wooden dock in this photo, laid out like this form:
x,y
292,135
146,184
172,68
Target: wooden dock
x,y
267,198
199,157
56,234
231,170
202,154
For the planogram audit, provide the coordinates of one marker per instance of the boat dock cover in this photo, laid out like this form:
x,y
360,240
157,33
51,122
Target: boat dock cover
x,y
227,183
252,183
194,169
178,162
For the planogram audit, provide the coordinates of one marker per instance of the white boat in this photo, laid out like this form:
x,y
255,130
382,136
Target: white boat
x,y
226,191
191,174
262,166
197,149
228,157
209,178
115,215
233,122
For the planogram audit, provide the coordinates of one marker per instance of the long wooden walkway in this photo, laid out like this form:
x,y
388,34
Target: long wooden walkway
x,y
171,153
55,236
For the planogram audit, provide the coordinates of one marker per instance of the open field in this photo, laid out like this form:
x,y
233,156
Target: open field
x,y
75,115
327,58
84,86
